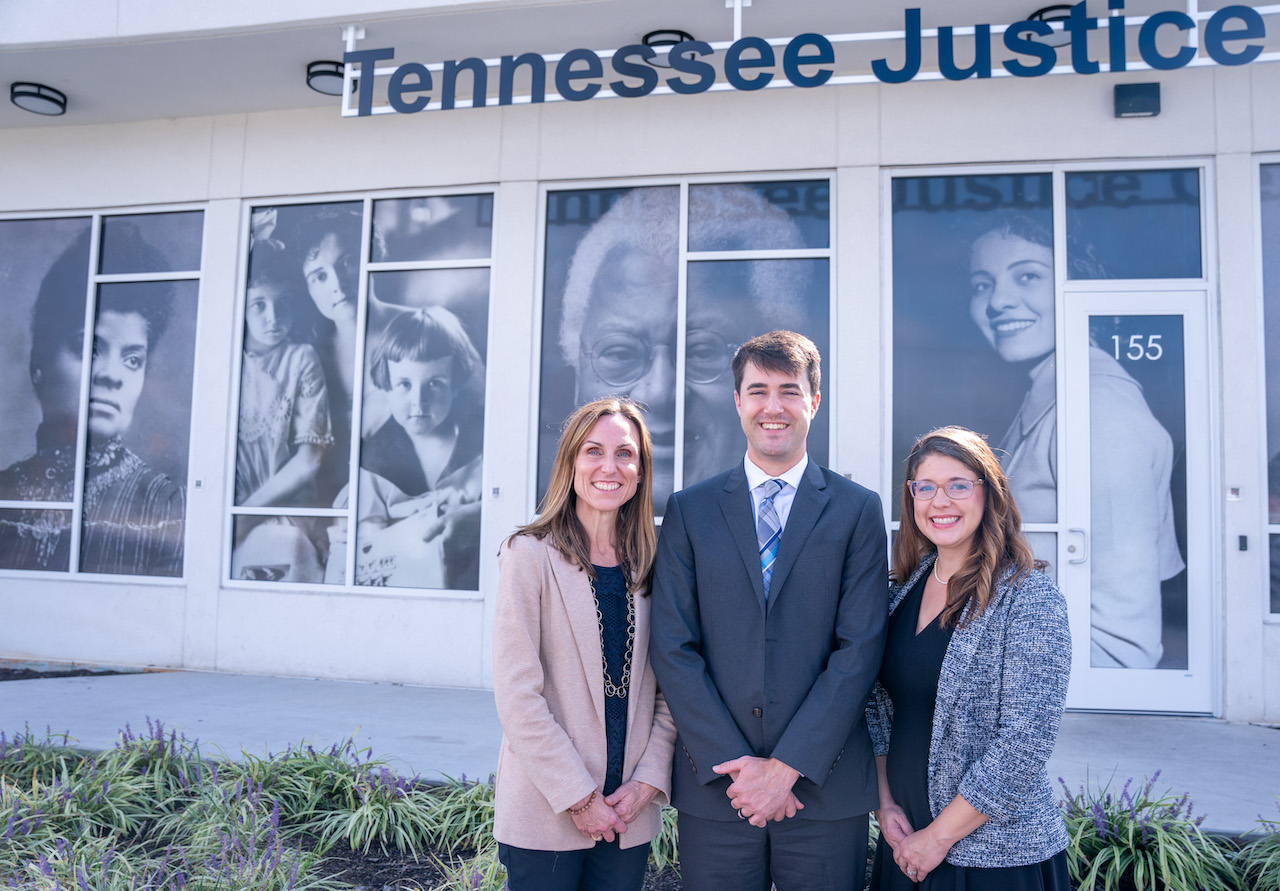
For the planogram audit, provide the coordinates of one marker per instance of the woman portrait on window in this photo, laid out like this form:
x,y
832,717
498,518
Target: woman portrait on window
x,y
1133,546
134,517
323,241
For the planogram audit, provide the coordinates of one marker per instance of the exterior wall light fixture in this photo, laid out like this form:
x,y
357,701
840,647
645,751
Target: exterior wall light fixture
x,y
37,98
1052,15
662,41
1137,100
325,77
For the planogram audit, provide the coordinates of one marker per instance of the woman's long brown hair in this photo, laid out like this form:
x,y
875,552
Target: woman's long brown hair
x,y
998,543
637,543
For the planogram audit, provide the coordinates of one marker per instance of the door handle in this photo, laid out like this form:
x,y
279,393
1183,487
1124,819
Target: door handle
x,y
1083,555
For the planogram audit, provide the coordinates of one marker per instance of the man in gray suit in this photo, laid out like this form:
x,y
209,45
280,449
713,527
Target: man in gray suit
x,y
769,614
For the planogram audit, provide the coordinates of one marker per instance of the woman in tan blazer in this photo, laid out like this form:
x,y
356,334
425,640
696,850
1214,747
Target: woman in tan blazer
x,y
585,765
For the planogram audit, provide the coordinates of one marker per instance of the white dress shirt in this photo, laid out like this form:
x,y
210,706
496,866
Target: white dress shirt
x,y
783,500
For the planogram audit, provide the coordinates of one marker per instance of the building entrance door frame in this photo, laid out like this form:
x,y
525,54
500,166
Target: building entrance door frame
x,y
1122,544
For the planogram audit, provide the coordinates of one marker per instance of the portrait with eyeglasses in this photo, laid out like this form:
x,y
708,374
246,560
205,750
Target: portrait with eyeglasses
x,y
612,313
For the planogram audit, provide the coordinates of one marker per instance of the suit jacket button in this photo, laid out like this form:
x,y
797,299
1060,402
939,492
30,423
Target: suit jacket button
x,y
758,712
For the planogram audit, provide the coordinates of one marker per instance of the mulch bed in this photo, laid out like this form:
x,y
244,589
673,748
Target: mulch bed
x,y
8,673
392,872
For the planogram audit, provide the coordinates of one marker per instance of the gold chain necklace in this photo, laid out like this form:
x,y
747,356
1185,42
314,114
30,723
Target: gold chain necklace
x,y
612,690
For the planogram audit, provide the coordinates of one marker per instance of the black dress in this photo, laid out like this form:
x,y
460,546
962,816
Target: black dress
x,y
909,673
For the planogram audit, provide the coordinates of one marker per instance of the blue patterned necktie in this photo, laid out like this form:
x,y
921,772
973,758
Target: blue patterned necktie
x,y
768,530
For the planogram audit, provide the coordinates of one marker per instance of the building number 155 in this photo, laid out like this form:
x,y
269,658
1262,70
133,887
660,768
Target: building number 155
x,y
1139,347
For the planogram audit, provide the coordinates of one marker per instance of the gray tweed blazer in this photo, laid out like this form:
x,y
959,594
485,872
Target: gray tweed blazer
x,y
1001,694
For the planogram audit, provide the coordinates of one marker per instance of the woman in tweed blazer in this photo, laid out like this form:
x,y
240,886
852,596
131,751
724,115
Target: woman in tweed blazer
x,y
965,800
585,763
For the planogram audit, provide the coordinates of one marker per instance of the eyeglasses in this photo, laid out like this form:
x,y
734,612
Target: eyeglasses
x,y
621,359
957,490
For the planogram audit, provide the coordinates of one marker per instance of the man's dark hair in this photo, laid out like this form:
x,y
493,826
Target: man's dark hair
x,y
782,351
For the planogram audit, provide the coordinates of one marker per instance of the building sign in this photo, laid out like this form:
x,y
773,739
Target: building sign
x,y
1232,35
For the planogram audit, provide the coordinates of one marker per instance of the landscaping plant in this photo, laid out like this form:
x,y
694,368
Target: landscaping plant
x,y
1137,840
1259,859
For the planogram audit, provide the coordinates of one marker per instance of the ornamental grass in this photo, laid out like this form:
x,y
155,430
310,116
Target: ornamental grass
x,y
1259,858
155,814
1135,839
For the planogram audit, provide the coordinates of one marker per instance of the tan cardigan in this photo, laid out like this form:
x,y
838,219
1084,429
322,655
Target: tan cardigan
x,y
548,682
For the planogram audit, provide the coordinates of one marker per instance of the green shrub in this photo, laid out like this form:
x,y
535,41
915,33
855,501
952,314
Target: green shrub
x,y
1259,859
25,757
169,764
462,815
665,849
1133,839
388,811
481,872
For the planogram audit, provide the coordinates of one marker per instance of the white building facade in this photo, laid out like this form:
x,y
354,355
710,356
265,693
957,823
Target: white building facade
x,y
279,379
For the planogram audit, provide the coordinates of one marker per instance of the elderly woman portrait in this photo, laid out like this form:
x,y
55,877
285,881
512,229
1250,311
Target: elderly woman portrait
x,y
133,515
972,688
585,762
618,315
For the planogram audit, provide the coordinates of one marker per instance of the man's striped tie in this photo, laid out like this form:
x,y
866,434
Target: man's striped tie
x,y
769,530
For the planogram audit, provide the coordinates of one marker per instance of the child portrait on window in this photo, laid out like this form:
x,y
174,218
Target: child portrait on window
x,y
284,405
418,510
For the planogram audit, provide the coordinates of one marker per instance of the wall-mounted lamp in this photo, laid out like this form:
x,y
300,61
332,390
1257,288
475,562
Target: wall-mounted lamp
x,y
662,41
1051,15
325,77
37,98
1137,100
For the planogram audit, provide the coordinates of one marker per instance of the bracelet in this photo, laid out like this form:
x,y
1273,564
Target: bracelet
x,y
575,811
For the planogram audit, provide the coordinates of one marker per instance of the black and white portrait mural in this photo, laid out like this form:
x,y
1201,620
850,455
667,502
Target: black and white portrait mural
x,y
618,289
1269,185
976,339
100,371
387,472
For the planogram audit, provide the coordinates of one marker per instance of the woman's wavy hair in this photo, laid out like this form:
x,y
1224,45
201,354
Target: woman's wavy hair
x,y
998,544
637,543
1082,257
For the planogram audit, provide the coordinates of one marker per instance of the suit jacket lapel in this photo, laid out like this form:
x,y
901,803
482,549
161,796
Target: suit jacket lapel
x,y
811,499
735,502
575,592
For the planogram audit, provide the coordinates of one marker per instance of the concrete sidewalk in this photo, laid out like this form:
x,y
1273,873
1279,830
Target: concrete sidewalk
x,y
1232,771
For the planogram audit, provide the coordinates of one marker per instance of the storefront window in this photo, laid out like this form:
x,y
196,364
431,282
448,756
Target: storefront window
x,y
324,307
95,457
1269,180
973,322
976,343
1125,224
616,308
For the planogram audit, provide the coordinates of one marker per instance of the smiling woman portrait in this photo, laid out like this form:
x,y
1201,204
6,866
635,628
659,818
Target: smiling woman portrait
x,y
1012,301
585,764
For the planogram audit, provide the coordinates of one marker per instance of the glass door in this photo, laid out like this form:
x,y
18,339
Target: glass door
x,y
1134,533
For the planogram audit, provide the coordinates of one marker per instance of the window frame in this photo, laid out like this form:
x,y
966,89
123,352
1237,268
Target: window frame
x,y
94,281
